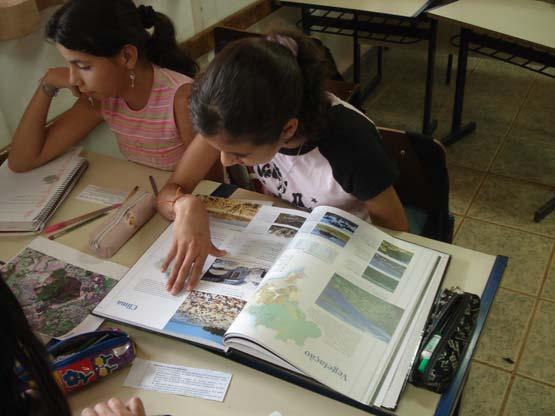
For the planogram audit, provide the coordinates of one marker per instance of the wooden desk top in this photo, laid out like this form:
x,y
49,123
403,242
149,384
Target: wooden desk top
x,y
530,22
404,8
251,392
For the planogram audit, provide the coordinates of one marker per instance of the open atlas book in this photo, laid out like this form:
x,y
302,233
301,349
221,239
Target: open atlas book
x,y
324,296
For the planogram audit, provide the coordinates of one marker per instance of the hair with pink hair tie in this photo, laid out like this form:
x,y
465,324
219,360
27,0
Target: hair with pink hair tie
x,y
286,41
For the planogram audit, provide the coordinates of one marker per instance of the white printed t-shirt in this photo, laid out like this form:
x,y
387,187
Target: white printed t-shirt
x,y
345,167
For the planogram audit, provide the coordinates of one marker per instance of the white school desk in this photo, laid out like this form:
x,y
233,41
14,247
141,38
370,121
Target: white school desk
x,y
522,30
400,22
404,8
251,392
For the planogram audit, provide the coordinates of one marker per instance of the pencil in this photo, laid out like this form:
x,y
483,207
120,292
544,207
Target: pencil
x,y
66,230
93,214
130,194
153,184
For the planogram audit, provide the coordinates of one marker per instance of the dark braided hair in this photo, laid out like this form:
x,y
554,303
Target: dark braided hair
x,y
104,27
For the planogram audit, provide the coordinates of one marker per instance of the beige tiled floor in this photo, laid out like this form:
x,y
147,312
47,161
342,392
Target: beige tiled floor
x,y
499,176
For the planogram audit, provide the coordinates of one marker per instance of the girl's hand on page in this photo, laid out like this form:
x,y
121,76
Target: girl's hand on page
x,y
115,407
59,78
191,245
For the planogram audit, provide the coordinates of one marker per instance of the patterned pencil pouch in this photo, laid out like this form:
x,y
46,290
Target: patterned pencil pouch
x,y
122,224
447,333
85,358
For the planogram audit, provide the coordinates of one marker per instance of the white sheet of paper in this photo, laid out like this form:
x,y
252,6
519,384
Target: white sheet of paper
x,y
100,195
176,379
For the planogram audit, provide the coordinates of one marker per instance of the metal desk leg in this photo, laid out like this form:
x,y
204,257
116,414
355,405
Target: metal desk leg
x,y
429,126
544,210
356,52
304,19
458,132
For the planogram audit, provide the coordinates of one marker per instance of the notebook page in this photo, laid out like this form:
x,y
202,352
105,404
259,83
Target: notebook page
x,y
25,195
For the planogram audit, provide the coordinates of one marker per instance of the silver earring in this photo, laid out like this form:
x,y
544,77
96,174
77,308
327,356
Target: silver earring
x,y
132,78
91,101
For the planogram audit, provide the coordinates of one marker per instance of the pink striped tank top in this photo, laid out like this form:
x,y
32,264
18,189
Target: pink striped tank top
x,y
149,136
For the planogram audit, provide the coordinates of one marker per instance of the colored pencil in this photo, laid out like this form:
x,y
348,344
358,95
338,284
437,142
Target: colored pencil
x,y
66,230
93,214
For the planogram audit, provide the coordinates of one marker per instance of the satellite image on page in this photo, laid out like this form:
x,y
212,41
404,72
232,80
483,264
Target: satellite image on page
x,y
55,296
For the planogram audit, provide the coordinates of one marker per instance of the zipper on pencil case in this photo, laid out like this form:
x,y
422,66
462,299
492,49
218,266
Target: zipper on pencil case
x,y
457,314
442,316
107,344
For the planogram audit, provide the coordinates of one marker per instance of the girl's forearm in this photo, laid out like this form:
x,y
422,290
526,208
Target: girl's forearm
x,y
30,134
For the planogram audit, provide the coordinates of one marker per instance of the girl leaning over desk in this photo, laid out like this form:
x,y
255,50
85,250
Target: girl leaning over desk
x,y
261,103
21,346
125,68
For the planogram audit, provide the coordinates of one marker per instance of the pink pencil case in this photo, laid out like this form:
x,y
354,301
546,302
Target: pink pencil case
x,y
114,231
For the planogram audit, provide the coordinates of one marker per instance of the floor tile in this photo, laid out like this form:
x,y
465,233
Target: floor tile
x,y
510,202
498,79
542,92
410,122
524,160
549,287
505,328
538,358
463,184
530,135
528,254
407,99
458,222
536,116
484,391
475,151
528,398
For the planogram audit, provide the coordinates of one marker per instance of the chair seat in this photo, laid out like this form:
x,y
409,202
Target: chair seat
x,y
417,219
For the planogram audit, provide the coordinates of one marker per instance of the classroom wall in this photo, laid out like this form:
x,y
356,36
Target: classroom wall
x,y
23,61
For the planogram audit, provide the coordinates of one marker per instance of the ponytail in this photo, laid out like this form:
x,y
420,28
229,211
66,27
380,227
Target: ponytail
x,y
315,105
161,46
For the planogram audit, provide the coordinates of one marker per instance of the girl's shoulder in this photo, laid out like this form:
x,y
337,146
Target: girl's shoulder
x,y
170,78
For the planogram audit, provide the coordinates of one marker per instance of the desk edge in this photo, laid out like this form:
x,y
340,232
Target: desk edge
x,y
449,399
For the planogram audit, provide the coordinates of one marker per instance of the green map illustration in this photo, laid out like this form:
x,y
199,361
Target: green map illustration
x,y
276,307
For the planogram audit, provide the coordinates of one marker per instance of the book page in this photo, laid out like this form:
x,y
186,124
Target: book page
x,y
58,286
247,232
337,302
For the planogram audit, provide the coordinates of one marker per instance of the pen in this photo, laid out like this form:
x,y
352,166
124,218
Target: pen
x,y
93,214
64,231
153,184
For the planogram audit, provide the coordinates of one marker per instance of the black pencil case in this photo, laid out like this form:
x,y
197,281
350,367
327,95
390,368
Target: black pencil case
x,y
446,336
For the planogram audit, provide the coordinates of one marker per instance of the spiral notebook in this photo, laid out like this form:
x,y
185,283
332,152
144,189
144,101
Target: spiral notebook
x,y
29,199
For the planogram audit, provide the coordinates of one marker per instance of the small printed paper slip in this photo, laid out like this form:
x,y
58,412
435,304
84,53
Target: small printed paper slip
x,y
100,195
176,379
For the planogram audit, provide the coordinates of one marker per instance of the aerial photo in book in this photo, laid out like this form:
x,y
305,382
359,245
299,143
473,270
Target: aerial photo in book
x,y
332,300
56,295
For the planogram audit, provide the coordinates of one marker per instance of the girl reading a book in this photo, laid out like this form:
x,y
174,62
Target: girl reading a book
x,y
261,103
21,347
125,68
